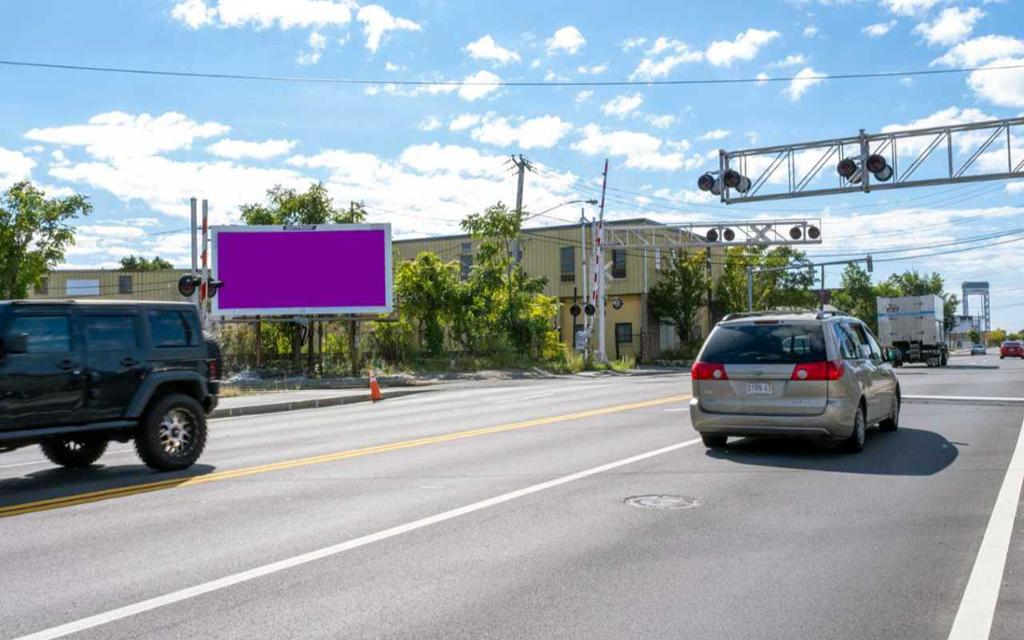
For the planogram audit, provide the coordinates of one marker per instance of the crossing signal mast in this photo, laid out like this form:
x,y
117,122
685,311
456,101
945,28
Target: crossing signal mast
x,y
929,156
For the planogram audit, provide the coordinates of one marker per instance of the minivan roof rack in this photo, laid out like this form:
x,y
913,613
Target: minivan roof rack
x,y
789,311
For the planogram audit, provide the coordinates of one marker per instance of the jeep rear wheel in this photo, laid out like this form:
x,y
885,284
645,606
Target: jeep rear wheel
x,y
73,453
172,433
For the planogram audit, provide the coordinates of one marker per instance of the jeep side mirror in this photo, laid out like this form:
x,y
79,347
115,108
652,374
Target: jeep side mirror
x,y
15,343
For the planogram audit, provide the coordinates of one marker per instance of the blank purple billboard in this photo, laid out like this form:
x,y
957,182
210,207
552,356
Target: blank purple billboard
x,y
315,270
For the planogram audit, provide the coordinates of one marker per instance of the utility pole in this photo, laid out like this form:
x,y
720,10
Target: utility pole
x,y
750,288
601,354
584,264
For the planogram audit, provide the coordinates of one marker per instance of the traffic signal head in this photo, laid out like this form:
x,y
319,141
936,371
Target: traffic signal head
x,y
847,168
706,182
187,285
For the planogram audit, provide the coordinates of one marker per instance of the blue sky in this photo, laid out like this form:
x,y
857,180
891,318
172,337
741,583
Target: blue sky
x,y
423,157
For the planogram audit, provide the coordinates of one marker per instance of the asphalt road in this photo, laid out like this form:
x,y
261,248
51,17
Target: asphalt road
x,y
500,511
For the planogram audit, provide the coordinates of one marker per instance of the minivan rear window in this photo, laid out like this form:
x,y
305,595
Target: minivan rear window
x,y
765,344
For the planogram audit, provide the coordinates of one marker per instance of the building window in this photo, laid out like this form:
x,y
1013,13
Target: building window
x,y
467,247
568,260
618,263
43,287
623,333
657,258
124,285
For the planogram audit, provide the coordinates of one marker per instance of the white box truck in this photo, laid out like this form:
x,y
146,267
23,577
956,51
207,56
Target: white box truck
x,y
916,326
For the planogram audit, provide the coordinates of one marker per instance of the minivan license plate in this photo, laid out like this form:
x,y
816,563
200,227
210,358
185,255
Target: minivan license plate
x,y
759,388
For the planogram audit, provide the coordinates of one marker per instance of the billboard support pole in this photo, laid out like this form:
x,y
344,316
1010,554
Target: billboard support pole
x,y
195,242
204,289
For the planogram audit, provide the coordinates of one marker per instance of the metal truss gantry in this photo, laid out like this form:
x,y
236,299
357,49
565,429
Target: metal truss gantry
x,y
978,289
991,150
802,231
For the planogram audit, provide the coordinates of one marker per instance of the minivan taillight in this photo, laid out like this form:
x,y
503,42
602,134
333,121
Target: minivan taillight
x,y
708,371
824,370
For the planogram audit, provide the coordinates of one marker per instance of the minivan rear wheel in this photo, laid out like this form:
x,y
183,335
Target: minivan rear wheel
x,y
73,453
713,441
855,443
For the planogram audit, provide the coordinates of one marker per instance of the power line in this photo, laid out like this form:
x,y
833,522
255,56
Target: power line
x,y
499,83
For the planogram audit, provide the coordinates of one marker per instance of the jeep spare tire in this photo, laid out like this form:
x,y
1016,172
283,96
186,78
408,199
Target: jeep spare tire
x,y
172,433
73,453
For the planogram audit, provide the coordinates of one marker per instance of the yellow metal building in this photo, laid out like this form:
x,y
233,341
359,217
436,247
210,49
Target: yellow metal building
x,y
554,253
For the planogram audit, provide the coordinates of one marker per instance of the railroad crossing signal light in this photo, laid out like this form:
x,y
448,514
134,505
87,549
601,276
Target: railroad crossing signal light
x,y
213,287
812,232
735,180
187,285
728,235
708,182
878,167
876,164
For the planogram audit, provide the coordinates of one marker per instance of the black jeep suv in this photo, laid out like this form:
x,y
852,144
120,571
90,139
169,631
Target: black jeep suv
x,y
75,375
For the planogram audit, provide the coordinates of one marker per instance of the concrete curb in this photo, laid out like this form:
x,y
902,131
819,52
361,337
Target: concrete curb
x,y
972,400
312,403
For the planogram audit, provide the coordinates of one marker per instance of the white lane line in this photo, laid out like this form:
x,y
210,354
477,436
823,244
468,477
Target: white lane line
x,y
978,606
312,556
963,399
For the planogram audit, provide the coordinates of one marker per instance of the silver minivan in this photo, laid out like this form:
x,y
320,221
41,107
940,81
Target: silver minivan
x,y
805,374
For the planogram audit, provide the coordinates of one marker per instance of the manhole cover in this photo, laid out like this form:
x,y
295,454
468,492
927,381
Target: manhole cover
x,y
663,502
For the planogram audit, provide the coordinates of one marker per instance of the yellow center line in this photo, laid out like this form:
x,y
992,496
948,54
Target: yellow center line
x,y
119,492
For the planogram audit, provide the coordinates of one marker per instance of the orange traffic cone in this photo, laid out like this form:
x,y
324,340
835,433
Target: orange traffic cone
x,y
375,393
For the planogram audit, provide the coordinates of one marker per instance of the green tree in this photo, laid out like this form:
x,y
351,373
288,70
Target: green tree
x,y
974,336
772,289
996,337
679,295
289,206
498,274
857,296
141,263
34,234
426,288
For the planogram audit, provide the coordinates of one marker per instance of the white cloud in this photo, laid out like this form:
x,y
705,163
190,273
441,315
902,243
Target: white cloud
x,y
951,26
14,166
665,55
377,23
723,53
430,123
392,67
878,29
909,7
1002,87
473,92
762,78
715,134
621,106
543,132
977,51
263,14
567,39
810,31
584,95
632,43
238,149
193,13
487,49
116,134
804,80
641,150
317,44
660,122
464,121
594,69
792,60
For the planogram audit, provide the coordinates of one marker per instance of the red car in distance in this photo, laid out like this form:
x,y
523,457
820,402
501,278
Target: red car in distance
x,y
1011,349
